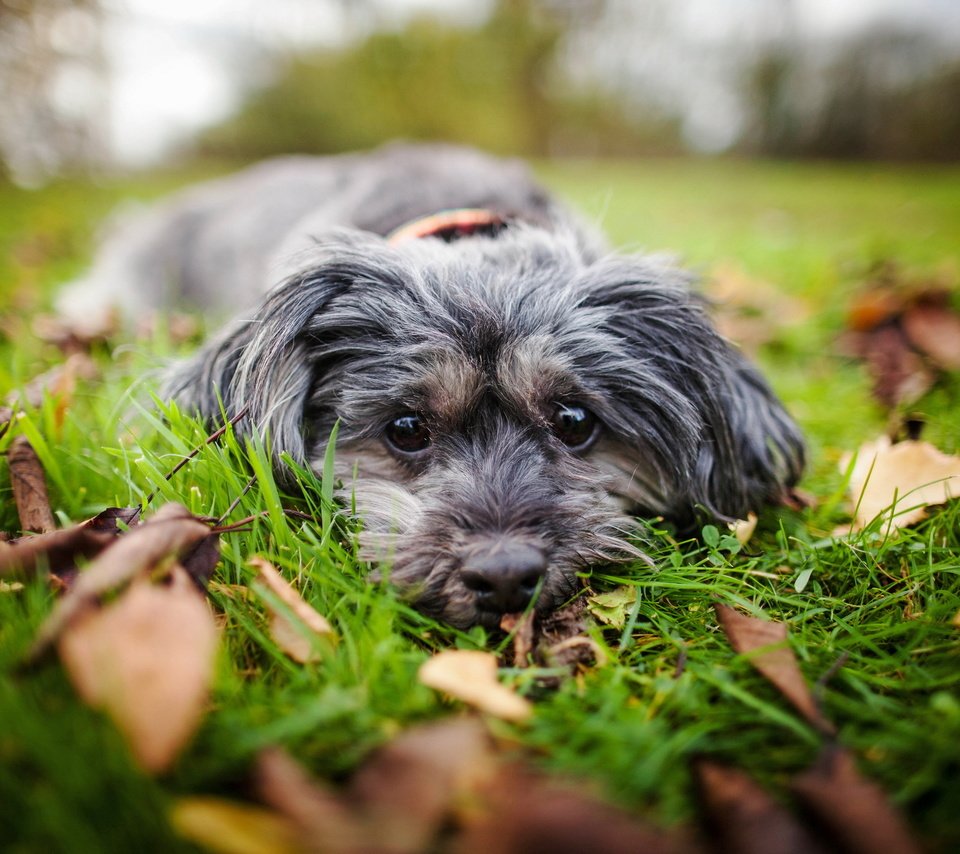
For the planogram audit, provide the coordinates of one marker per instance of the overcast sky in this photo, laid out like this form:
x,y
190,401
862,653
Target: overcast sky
x,y
174,63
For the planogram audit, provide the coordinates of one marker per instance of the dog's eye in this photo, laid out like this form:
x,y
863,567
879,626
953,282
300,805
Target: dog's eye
x,y
575,426
408,434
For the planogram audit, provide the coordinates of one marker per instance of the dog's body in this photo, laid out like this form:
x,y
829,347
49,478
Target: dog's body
x,y
509,394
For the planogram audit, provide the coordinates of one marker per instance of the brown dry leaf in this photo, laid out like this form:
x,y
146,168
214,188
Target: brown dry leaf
x,y
872,307
229,827
60,552
525,813
323,820
147,660
201,560
171,533
57,552
913,473
557,639
764,643
934,329
742,817
111,519
751,311
522,626
564,641
906,332
59,382
29,488
471,676
854,810
297,641
409,788
899,374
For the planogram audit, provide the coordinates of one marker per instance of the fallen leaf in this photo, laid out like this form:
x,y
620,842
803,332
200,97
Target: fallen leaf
x,y
168,534
75,337
200,561
295,637
899,374
525,813
471,676
114,520
751,311
854,810
147,660
58,552
743,529
319,814
742,817
934,329
764,643
229,827
612,608
906,332
564,641
522,627
408,789
914,474
58,383
872,307
29,488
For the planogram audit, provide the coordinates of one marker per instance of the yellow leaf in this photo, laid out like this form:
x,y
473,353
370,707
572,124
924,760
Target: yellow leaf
x,y
147,660
743,529
292,638
913,474
227,827
471,676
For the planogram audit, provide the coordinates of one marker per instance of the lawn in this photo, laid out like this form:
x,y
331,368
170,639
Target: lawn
x,y
874,613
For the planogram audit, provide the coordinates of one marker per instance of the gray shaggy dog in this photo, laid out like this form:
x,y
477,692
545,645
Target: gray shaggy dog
x,y
510,394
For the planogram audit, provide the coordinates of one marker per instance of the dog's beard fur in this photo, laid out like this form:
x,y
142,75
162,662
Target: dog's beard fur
x,y
483,338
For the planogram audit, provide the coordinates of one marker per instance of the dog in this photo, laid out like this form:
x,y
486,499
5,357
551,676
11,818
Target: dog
x,y
511,396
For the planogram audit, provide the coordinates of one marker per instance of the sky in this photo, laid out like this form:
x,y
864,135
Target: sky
x,y
174,64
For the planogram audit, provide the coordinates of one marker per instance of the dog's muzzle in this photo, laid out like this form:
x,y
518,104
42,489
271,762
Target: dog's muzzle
x,y
504,575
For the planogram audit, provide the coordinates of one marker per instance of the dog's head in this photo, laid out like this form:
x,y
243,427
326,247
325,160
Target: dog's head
x,y
506,405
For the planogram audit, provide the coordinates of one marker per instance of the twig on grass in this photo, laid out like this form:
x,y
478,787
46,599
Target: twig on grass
x,y
242,523
213,437
233,504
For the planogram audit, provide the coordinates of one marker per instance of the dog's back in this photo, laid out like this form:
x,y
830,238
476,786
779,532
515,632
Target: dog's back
x,y
219,246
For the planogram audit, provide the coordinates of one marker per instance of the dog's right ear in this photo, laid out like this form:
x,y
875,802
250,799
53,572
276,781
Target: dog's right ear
x,y
261,365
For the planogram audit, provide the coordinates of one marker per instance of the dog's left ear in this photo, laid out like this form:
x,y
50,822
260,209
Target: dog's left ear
x,y
742,449
262,364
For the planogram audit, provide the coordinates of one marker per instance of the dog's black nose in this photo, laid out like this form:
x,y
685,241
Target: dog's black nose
x,y
505,576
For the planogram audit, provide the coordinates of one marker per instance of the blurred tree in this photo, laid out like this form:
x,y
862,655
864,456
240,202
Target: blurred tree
x,y
499,86
884,94
52,87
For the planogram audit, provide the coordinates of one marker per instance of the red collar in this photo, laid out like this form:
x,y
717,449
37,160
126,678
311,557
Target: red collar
x,y
449,225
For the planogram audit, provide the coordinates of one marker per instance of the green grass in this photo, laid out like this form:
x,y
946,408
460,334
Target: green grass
x,y
632,725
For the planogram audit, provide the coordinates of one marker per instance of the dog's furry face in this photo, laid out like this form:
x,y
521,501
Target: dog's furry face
x,y
508,402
